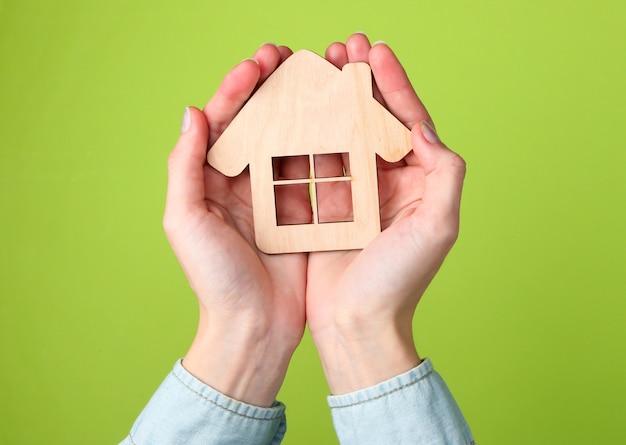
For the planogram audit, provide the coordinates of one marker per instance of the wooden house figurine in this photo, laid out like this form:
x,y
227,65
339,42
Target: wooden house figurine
x,y
313,111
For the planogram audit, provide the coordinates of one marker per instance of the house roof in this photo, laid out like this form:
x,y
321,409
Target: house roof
x,y
309,106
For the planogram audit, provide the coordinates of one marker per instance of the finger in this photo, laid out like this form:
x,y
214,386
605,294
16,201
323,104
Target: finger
x,y
395,87
444,172
268,57
285,52
358,48
185,189
231,95
336,54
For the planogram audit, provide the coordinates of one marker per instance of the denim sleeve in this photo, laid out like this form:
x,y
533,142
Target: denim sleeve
x,y
413,408
184,410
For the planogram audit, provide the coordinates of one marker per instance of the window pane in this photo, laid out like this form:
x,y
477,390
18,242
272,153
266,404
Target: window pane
x,y
334,201
293,204
331,165
291,167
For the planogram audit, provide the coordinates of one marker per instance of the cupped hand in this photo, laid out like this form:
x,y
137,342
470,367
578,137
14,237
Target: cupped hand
x,y
360,304
252,312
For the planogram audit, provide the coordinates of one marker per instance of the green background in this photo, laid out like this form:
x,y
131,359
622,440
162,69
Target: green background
x,y
526,320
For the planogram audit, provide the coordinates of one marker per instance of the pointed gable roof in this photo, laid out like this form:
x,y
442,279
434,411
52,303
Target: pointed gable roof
x,y
308,99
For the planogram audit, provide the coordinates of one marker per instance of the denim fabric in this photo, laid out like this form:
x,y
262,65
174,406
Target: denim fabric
x,y
186,411
413,408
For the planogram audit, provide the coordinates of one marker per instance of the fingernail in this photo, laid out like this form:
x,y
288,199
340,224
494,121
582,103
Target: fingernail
x,y
268,43
186,120
429,132
251,59
379,42
361,32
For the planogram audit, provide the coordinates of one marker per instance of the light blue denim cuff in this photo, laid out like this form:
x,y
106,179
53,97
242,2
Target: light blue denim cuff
x,y
186,411
413,408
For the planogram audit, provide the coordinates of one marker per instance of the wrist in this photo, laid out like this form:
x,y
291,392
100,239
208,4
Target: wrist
x,y
244,361
357,358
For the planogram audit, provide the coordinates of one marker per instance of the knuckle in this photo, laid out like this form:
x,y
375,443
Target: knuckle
x,y
171,222
457,163
443,227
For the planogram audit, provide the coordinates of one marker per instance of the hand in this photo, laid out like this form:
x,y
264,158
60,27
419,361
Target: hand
x,y
252,312
360,304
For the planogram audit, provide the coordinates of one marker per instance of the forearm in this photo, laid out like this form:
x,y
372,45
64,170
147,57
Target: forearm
x,y
415,408
184,410
359,358
382,392
243,360
224,390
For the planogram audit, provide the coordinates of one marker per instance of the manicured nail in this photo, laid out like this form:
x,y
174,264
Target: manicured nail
x,y
379,42
268,43
429,133
361,32
186,120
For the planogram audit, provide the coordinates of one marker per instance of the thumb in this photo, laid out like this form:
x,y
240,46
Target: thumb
x,y
444,172
185,189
